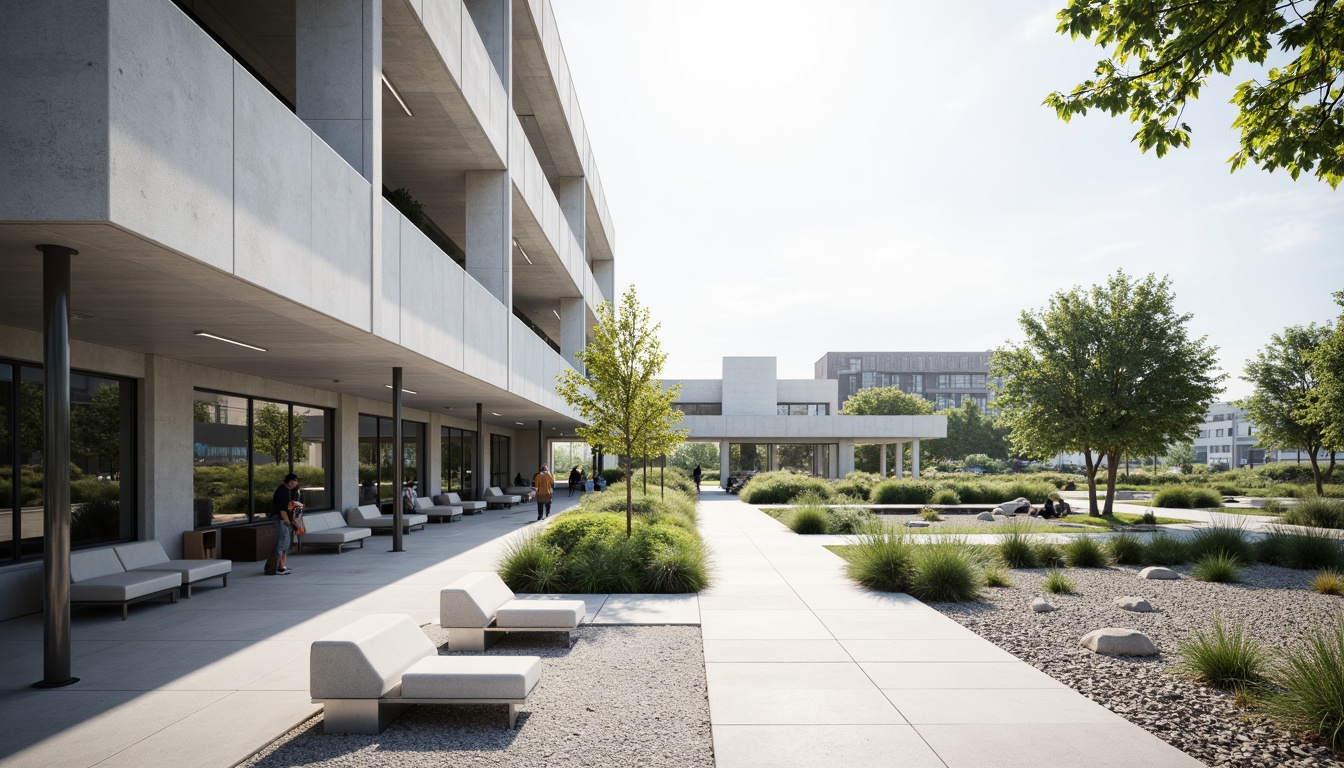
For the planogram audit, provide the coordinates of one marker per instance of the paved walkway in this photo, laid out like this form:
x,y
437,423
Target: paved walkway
x,y
806,669
210,680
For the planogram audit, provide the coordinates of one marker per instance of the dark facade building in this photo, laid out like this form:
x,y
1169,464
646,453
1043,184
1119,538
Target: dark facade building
x,y
945,379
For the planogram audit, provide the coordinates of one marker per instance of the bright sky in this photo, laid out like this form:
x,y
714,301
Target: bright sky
x,y
790,178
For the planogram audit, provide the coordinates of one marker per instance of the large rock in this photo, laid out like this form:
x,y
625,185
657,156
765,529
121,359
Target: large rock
x,y
1119,642
1159,573
1136,604
987,516
1040,605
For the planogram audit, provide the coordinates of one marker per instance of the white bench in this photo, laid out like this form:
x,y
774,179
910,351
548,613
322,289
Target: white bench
x,y
479,607
97,577
366,674
454,500
497,498
439,512
149,556
368,516
329,528
525,492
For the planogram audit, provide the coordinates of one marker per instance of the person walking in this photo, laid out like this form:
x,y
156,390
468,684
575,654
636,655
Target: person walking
x,y
696,474
544,482
575,477
285,505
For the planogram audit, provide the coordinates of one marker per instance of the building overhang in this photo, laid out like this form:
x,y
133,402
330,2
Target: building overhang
x,y
815,429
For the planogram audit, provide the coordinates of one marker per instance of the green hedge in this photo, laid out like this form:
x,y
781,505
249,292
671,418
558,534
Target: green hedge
x,y
782,488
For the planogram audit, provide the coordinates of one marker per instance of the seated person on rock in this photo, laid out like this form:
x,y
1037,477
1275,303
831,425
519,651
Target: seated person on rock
x,y
1049,512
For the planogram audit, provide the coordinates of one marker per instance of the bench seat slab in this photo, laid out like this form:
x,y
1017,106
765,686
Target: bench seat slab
x,y
449,678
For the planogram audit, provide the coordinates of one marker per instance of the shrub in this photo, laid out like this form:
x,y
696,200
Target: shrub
x,y
1224,657
1315,513
1205,498
808,521
945,496
1085,552
1165,550
902,492
1148,518
945,572
1174,497
1328,582
607,564
1125,549
1306,551
930,515
858,485
1050,555
997,577
1016,549
1274,507
1217,567
573,529
1056,583
848,520
676,569
1032,491
1284,472
882,561
530,564
613,475
782,488
1229,540
1314,676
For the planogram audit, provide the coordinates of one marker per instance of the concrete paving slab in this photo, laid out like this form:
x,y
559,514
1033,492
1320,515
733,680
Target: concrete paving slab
x,y
762,625
957,674
775,651
148,665
649,609
772,676
1108,745
1036,706
808,746
966,649
801,706
746,600
895,625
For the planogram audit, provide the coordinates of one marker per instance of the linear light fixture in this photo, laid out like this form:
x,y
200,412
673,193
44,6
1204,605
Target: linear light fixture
x,y
407,391
492,413
557,314
519,423
228,341
397,96
519,246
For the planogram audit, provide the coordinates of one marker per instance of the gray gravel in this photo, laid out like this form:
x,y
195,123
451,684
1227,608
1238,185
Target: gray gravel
x,y
1274,603
621,696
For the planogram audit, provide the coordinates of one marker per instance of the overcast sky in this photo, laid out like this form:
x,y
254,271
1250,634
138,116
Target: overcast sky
x,y
791,178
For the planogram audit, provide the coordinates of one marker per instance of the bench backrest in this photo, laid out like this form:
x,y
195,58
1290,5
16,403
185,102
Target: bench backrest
x,y
493,491
140,554
423,502
453,498
472,600
366,659
361,513
92,563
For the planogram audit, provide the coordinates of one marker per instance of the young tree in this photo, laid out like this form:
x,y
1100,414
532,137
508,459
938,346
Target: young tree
x,y
1182,455
274,434
1328,364
1285,386
1161,55
1106,372
622,400
882,401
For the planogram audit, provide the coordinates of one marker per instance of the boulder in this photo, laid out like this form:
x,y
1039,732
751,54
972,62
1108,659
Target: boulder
x,y
1039,605
988,516
1136,604
916,524
1119,642
1159,573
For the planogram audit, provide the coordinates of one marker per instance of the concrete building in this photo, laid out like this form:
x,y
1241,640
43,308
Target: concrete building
x,y
221,178
764,423
945,379
1229,437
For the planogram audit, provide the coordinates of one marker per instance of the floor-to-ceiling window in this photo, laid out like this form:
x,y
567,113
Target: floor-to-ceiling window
x,y
499,461
376,464
245,446
102,459
457,461
806,458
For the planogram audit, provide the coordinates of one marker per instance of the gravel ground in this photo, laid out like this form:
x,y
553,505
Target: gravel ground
x,y
621,696
1274,603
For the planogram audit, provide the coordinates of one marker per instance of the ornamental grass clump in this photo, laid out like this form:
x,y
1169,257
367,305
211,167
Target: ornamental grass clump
x,y
1305,551
808,520
945,497
1218,567
996,576
902,492
782,488
882,561
530,564
930,515
1125,549
1313,674
1315,513
1085,552
848,520
1228,539
1328,582
945,572
1016,549
1051,555
1165,550
1056,583
1224,657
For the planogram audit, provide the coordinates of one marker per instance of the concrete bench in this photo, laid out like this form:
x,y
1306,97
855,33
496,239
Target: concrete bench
x,y
97,577
440,512
329,528
368,516
479,607
454,500
494,497
525,492
149,556
366,674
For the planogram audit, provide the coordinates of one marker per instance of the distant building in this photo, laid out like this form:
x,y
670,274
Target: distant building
x,y
1229,437
945,379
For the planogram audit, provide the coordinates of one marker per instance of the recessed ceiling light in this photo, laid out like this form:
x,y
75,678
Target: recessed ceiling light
x,y
337,381
407,391
228,341
492,413
519,423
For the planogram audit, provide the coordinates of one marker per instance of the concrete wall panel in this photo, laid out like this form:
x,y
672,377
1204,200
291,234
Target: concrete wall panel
x,y
443,22
171,132
431,315
53,111
485,334
342,237
387,307
749,386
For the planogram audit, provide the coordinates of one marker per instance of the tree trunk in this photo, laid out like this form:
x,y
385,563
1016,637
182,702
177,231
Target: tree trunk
x,y
1112,465
1329,473
1090,468
629,494
1315,471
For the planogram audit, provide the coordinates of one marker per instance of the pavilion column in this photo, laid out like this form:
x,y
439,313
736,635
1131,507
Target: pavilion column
x,y
846,457
900,458
914,459
882,460
723,464
56,466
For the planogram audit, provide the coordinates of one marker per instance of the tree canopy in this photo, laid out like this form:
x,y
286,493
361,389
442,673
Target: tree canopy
x,y
1161,55
274,434
621,399
969,432
882,401
1285,381
690,455
1107,372
1327,403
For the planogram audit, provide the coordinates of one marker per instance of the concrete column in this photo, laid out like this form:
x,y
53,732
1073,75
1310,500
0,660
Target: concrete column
x,y
345,477
494,23
604,274
571,193
490,233
846,457
479,472
914,459
431,471
723,464
573,319
882,460
900,459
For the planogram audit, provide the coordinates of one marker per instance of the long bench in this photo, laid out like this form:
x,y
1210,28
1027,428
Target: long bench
x,y
368,516
455,500
494,497
440,512
97,577
366,674
329,528
477,608
149,556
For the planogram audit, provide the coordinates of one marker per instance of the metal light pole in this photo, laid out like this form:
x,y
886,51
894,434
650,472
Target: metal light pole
x,y
398,460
